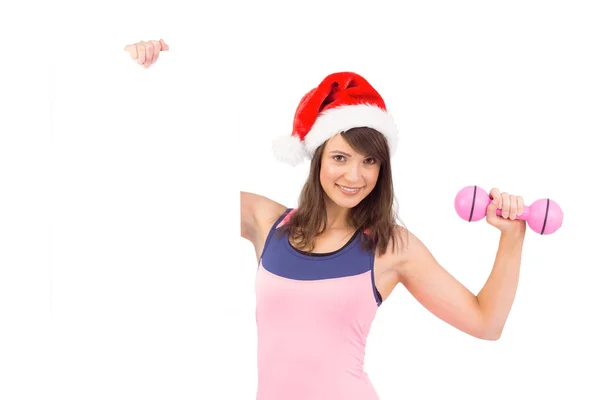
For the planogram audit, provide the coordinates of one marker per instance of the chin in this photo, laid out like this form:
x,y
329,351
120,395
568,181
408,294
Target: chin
x,y
344,203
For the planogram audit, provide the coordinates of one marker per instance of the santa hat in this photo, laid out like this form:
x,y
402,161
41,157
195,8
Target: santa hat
x,y
342,101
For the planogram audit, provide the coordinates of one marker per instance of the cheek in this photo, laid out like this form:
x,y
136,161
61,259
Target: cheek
x,y
371,177
329,172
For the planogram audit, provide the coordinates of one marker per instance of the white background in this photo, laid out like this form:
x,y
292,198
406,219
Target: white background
x,y
122,274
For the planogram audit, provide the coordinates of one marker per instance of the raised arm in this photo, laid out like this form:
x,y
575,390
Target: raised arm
x,y
485,314
257,215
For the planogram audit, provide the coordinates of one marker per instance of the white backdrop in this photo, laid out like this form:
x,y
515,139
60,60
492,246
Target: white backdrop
x,y
122,274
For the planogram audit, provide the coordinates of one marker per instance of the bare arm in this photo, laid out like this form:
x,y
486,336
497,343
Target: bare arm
x,y
249,203
498,294
482,316
257,214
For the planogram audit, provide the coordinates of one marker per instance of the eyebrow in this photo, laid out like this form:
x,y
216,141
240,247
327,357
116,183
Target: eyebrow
x,y
340,152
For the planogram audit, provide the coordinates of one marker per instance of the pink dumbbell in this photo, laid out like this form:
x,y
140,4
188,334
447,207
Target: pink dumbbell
x,y
544,216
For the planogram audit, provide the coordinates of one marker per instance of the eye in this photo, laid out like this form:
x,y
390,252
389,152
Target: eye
x,y
371,160
338,158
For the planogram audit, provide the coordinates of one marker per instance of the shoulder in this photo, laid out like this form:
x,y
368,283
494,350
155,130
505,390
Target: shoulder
x,y
403,251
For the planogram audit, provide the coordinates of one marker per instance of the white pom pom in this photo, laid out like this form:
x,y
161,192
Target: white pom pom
x,y
289,149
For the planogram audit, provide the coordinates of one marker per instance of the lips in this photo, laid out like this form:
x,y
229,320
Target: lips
x,y
348,190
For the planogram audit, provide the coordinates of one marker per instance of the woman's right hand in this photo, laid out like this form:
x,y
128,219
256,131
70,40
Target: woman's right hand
x,y
146,53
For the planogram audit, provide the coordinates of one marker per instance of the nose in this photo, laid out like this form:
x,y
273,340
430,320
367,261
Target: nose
x,y
353,172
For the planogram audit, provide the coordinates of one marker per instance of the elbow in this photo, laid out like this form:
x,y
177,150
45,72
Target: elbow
x,y
490,334
489,329
491,337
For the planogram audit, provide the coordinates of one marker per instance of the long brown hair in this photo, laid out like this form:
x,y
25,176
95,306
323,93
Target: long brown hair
x,y
376,213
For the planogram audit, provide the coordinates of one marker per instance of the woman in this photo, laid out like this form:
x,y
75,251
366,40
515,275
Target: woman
x,y
325,267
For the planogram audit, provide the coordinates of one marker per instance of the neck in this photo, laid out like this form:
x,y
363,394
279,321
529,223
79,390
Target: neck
x,y
337,217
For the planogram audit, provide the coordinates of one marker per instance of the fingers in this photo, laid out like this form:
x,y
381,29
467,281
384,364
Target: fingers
x,y
155,51
132,50
146,52
149,46
141,51
520,205
163,45
512,206
505,204
495,196
512,212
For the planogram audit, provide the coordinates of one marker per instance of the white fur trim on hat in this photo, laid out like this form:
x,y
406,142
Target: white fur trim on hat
x,y
343,118
289,149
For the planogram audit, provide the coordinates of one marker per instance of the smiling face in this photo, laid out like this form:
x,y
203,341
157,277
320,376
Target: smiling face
x,y
346,176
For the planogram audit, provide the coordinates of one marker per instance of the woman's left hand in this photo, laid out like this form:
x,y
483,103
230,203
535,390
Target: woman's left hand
x,y
511,206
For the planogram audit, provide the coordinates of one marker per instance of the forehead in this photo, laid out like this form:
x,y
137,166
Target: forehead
x,y
337,142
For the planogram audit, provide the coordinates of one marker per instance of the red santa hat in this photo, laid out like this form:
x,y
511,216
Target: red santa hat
x,y
342,101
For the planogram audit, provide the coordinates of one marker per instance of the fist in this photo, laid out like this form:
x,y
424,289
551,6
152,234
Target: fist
x,y
146,53
511,206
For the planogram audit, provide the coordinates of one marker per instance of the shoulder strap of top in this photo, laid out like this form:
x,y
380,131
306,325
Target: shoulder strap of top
x,y
283,218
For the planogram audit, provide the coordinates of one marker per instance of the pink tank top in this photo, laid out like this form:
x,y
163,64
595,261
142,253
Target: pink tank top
x,y
313,316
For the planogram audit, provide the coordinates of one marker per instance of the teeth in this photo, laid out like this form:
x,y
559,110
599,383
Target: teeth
x,y
348,189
